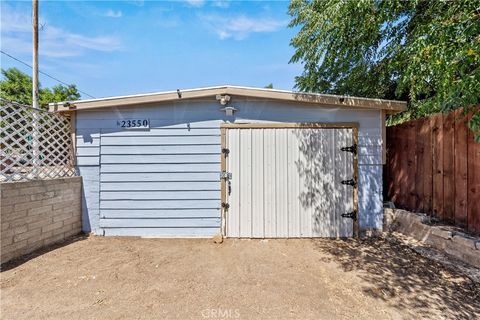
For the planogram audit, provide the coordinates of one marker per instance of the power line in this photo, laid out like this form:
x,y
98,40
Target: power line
x,y
45,74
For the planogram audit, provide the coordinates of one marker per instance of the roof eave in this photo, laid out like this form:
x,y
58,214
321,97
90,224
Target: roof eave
x,y
390,106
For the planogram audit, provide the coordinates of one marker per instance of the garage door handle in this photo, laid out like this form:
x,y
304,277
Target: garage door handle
x,y
225,175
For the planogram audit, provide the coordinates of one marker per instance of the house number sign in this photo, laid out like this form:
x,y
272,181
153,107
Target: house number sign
x,y
133,124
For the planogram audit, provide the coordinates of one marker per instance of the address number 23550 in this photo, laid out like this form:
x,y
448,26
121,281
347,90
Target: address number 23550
x,y
134,123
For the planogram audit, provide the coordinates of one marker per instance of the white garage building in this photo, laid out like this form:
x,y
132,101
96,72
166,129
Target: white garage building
x,y
242,162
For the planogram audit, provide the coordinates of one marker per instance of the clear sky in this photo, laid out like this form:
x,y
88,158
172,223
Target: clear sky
x,y
127,47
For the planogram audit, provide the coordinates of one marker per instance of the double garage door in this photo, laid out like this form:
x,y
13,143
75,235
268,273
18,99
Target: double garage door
x,y
277,182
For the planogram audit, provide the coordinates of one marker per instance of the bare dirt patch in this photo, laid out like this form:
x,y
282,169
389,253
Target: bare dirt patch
x,y
132,278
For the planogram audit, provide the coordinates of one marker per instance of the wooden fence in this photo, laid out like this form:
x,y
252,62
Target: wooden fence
x,y
34,144
433,166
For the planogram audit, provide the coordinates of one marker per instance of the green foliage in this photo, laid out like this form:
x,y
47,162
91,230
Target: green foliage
x,y
424,51
17,86
474,125
269,86
59,93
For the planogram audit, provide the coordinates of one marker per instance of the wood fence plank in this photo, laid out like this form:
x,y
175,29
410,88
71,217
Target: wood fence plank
x,y
395,190
411,200
420,168
403,165
437,137
436,160
427,165
460,171
388,166
448,167
473,210
396,165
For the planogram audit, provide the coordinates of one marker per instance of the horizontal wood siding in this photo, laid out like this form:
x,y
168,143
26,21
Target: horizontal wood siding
x,y
156,141
87,152
160,201
90,198
162,232
159,213
163,132
87,162
161,176
161,223
160,195
172,186
370,194
160,204
159,158
161,167
159,150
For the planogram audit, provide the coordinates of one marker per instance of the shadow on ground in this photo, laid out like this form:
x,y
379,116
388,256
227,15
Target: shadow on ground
x,y
404,279
25,258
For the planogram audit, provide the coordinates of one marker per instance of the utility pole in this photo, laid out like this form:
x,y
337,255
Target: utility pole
x,y
35,53
35,113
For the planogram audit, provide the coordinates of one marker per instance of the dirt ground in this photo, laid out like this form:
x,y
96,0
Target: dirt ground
x,y
132,278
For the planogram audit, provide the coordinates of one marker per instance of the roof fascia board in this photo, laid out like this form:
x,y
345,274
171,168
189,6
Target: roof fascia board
x,y
390,106
321,99
136,100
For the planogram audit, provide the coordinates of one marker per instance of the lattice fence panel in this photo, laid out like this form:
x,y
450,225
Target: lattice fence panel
x,y
34,144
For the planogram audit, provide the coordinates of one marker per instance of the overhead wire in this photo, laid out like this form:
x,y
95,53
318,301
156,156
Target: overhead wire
x,y
44,73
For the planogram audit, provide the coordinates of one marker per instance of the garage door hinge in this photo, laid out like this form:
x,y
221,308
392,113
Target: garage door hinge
x,y
351,215
352,149
225,205
350,182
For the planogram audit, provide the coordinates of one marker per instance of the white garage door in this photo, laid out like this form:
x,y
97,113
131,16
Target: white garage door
x,y
287,182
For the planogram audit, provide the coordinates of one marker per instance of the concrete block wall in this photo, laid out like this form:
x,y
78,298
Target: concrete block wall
x,y
35,214
443,238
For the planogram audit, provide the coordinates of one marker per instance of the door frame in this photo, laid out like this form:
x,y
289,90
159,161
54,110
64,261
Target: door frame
x,y
286,125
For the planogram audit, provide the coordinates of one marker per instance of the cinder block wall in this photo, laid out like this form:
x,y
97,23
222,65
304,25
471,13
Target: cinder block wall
x,y
38,213
444,238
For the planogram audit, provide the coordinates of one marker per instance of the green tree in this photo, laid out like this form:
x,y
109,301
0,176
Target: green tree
x,y
424,51
17,86
269,86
